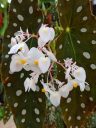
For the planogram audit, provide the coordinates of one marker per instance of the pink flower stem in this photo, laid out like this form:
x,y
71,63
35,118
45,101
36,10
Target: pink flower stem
x,y
61,65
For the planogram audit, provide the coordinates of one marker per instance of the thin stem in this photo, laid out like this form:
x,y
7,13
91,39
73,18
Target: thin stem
x,y
61,65
49,72
32,36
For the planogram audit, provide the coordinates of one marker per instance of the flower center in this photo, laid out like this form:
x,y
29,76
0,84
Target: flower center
x,y
75,84
36,62
23,61
20,49
43,90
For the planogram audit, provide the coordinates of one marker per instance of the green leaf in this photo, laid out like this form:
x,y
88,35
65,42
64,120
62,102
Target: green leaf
x,y
1,112
78,41
28,108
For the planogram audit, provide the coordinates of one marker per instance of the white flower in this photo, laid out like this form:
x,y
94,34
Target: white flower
x,y
80,76
46,34
54,96
20,46
49,54
75,75
74,83
39,63
18,62
18,43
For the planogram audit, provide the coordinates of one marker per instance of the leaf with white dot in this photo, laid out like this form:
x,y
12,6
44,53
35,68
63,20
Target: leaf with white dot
x,y
78,41
28,108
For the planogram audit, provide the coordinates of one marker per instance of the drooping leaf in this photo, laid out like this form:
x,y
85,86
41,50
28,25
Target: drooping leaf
x,y
78,41
28,108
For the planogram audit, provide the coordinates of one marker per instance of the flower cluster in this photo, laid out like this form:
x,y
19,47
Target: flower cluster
x,y
40,60
75,77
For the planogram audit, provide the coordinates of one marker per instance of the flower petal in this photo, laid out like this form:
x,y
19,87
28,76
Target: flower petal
x,y
80,74
44,64
82,86
13,41
29,84
64,91
15,48
40,43
50,54
55,99
15,66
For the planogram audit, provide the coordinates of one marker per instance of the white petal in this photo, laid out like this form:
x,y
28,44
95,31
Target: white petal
x,y
36,77
80,74
25,48
70,83
15,66
26,84
50,54
34,54
64,91
67,73
29,84
46,33
52,33
35,69
44,64
41,43
82,86
27,67
13,41
15,48
46,87
55,99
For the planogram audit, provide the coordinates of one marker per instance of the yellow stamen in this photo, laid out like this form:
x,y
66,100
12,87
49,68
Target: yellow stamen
x,y
20,49
75,84
43,90
23,61
36,62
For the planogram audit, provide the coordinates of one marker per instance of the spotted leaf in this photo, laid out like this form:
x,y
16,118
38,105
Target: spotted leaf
x,y
28,108
78,41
